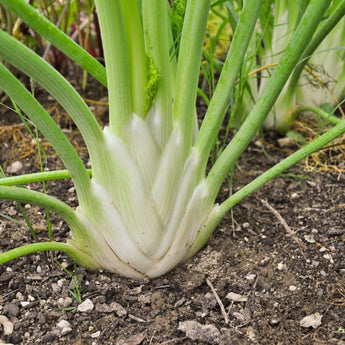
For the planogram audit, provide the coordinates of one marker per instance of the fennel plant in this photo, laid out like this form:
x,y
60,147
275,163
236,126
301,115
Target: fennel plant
x,y
319,78
150,203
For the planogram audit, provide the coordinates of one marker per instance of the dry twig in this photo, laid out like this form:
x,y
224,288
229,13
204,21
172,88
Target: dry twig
x,y
289,231
221,305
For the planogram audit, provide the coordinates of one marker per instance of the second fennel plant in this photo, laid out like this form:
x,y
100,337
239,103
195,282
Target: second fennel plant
x,y
150,204
319,77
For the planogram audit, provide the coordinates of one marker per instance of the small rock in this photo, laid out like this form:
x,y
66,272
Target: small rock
x,y
313,320
274,321
85,306
258,143
250,276
135,339
103,308
118,309
99,299
292,288
56,288
264,261
145,299
239,316
286,142
10,309
281,266
65,302
251,334
24,304
15,167
315,263
309,238
96,334
311,183
208,301
65,327
236,297
12,211
179,302
196,331
61,282
329,257
7,325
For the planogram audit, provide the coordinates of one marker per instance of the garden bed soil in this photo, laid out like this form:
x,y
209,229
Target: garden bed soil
x,y
260,279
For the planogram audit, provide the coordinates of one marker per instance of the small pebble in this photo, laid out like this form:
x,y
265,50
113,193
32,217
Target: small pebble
x,y
292,288
294,196
118,309
250,276
309,238
65,327
236,297
68,301
7,325
65,302
96,334
10,309
61,282
56,288
196,331
274,322
281,266
329,257
315,263
15,167
251,334
85,306
313,320
323,273
103,308
286,142
99,299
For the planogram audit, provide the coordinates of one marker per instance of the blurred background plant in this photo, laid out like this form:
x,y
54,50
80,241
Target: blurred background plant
x,y
318,80
77,18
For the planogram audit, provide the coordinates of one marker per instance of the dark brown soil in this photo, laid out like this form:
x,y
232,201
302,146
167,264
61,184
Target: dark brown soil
x,y
279,278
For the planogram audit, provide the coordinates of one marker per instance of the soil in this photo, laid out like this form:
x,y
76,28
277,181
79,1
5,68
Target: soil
x,y
260,279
